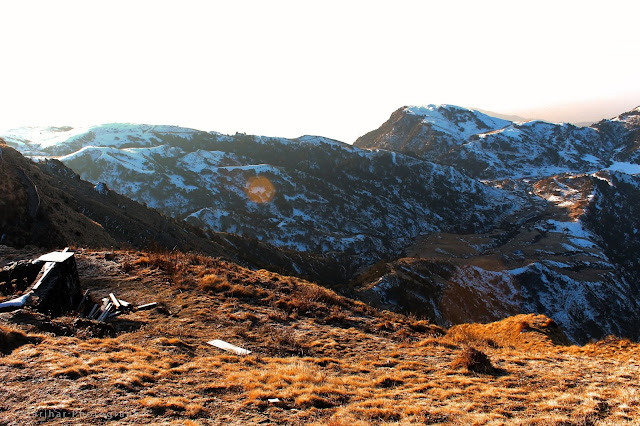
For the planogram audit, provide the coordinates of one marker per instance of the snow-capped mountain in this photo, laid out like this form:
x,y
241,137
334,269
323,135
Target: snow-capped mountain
x,y
323,195
491,148
551,228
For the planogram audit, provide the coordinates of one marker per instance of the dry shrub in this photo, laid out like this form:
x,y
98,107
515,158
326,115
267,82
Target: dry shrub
x,y
307,401
474,361
424,326
286,342
244,316
434,341
293,304
177,344
213,283
174,264
388,382
315,293
216,284
195,411
293,381
160,405
522,326
386,325
142,261
12,339
74,372
239,291
127,266
337,316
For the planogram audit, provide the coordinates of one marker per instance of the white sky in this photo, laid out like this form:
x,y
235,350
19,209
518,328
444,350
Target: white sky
x,y
333,68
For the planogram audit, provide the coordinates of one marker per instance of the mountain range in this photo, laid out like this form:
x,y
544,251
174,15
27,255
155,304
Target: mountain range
x,y
443,211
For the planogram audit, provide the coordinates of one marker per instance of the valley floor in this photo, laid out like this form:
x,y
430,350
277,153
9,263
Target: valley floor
x,y
319,357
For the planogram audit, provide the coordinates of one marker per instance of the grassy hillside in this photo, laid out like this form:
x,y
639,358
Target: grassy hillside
x,y
327,359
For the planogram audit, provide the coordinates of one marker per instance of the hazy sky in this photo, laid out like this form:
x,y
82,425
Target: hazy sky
x,y
334,68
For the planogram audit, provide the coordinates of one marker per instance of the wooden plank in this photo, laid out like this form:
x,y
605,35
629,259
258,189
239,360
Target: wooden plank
x,y
84,298
48,267
16,303
93,312
105,312
114,300
56,256
147,306
221,344
125,305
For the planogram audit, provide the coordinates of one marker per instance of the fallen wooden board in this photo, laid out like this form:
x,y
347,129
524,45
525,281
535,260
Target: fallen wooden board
x,y
93,312
16,303
106,312
221,344
84,298
114,300
147,306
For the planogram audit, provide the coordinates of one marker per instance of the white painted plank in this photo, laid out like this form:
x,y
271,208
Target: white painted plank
x,y
15,303
114,300
147,306
56,256
221,344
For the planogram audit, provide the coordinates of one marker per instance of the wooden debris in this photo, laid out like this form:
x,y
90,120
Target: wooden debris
x,y
93,311
147,306
221,344
16,303
105,312
84,298
111,307
114,300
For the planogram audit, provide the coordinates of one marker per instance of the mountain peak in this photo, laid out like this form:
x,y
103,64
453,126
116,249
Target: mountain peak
x,y
457,121
426,109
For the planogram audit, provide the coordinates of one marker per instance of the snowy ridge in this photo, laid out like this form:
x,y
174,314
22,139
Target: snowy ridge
x,y
491,148
457,121
65,140
325,196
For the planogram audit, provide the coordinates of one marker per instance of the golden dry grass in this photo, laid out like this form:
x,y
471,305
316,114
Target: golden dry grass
x,y
326,359
11,339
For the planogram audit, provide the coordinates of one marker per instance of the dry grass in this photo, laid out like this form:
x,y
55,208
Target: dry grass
x,y
320,359
474,361
10,339
521,331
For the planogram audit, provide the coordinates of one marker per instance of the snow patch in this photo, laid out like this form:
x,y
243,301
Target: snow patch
x,y
628,168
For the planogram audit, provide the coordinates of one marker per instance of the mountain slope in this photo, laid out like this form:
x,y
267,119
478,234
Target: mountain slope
x,y
313,194
316,358
48,205
573,257
491,148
